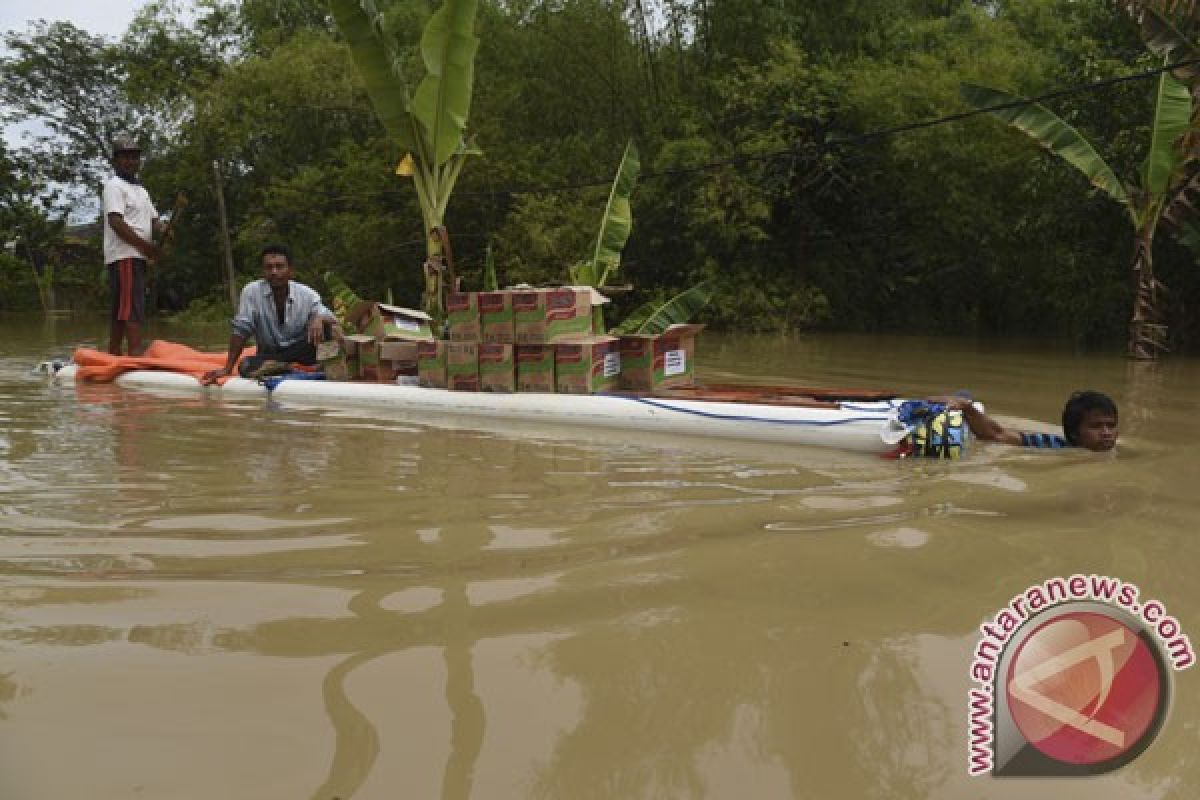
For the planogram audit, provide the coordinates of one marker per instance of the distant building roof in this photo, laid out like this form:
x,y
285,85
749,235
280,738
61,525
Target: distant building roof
x,y
86,230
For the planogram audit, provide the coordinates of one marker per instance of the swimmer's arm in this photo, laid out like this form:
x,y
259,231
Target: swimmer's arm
x,y
983,426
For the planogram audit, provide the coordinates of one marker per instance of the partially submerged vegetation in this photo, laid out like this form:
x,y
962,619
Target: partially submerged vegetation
x,y
762,179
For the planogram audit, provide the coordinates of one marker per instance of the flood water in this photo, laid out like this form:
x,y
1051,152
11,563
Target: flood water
x,y
207,600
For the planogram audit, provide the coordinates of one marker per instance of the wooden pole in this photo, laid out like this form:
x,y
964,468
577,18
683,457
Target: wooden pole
x,y
225,244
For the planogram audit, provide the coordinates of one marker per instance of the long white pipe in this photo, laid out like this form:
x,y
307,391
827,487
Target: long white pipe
x,y
867,426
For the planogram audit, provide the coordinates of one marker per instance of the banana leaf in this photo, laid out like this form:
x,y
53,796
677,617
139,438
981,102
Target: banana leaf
x,y
361,22
583,273
1181,205
1188,234
1172,119
657,317
1051,132
343,299
1161,36
617,221
443,97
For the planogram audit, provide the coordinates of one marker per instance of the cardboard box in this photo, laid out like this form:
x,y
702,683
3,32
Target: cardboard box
x,y
496,318
587,365
361,351
651,362
431,364
462,316
462,366
331,357
381,321
396,350
545,316
535,367
401,354
497,371
397,358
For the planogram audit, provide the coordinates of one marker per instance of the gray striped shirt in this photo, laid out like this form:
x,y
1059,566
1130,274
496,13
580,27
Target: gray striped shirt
x,y
256,315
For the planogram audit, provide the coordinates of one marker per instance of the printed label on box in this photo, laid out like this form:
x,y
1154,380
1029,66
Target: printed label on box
x,y
674,362
407,324
612,364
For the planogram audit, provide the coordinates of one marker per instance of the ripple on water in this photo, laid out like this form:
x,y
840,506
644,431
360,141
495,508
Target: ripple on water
x,y
901,537
869,520
239,523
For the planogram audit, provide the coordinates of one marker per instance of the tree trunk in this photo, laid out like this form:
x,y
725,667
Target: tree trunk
x,y
1147,333
435,265
226,245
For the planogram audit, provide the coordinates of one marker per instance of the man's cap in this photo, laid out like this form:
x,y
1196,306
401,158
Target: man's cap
x,y
125,143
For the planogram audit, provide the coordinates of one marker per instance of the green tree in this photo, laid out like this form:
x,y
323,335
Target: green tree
x,y
28,231
1165,174
70,82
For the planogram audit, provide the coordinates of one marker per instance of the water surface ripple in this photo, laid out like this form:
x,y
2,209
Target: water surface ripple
x,y
242,600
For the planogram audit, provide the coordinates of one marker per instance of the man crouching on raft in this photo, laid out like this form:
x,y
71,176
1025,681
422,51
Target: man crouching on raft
x,y
1089,420
286,319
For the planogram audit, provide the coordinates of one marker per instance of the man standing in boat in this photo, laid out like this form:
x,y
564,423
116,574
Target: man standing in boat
x,y
286,319
130,225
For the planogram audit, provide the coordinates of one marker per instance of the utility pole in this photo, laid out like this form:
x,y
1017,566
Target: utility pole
x,y
226,246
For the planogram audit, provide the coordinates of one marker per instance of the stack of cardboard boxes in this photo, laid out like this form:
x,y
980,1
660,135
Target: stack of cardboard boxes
x,y
384,349
513,340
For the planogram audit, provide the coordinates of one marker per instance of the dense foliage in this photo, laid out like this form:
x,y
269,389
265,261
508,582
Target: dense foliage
x,y
768,172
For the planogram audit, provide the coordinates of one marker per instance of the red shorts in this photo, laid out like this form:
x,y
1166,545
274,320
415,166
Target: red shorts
x,y
127,286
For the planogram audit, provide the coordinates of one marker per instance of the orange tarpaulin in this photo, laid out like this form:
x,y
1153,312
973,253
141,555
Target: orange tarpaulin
x,y
97,367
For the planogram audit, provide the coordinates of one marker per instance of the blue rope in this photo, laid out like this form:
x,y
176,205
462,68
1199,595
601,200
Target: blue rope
x,y
274,380
851,407
739,418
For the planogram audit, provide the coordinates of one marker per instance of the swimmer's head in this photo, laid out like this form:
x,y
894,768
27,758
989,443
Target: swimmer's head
x,y
1089,420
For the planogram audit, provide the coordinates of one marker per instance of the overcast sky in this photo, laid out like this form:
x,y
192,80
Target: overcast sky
x,y
107,17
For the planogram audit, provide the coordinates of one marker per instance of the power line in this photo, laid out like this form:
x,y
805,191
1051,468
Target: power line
x,y
807,149
880,133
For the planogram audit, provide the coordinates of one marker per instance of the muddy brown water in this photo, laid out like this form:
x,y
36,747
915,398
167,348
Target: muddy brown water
x,y
234,600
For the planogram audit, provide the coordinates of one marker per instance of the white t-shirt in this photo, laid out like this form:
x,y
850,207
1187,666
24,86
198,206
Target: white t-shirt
x,y
131,201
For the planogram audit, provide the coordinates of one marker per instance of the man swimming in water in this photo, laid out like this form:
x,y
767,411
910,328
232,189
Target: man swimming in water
x,y
1089,420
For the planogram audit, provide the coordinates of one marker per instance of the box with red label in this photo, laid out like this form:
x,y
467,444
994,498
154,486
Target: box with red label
x,y
431,364
535,367
462,316
496,318
497,372
587,365
545,316
658,361
462,366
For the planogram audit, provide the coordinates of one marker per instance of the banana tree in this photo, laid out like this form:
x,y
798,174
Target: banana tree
x,y
1167,175
657,317
430,123
615,227
1169,29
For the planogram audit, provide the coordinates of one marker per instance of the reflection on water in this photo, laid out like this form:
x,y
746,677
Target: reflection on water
x,y
250,601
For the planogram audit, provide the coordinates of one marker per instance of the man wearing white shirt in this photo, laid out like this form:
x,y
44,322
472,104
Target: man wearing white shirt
x,y
130,224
